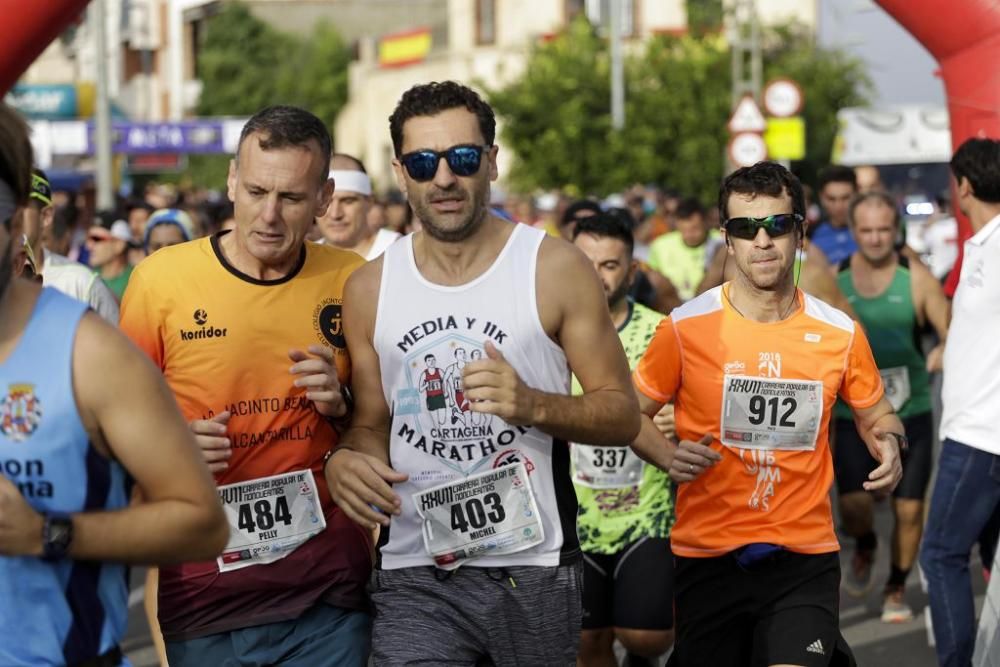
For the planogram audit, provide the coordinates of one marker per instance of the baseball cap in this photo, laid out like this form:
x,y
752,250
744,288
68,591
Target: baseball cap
x,y
170,216
40,188
119,229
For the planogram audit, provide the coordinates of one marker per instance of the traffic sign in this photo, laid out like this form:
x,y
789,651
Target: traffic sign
x,y
782,98
786,138
747,149
747,117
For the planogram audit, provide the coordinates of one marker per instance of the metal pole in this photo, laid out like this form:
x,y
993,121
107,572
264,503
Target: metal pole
x,y
756,65
617,68
102,111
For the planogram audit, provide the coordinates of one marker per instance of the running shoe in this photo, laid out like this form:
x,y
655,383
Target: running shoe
x,y
894,607
858,581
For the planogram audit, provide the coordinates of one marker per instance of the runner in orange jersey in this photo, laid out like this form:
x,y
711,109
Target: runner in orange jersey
x,y
754,367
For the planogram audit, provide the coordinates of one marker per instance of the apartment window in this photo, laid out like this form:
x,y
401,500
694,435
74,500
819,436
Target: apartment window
x,y
599,13
486,21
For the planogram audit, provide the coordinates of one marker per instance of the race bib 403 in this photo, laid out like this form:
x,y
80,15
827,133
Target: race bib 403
x,y
269,518
488,514
771,413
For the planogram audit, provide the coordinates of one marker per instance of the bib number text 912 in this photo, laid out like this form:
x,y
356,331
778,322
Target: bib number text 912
x,y
759,408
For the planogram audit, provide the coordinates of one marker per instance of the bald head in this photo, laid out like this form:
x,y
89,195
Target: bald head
x,y
345,162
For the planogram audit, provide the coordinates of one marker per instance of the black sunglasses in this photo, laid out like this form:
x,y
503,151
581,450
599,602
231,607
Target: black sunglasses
x,y
462,160
775,225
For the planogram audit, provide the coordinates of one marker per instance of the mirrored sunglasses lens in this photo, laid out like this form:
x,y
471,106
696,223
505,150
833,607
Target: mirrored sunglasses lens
x,y
421,166
780,225
741,228
464,160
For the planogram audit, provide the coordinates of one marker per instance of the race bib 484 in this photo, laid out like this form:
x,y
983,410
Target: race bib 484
x,y
269,518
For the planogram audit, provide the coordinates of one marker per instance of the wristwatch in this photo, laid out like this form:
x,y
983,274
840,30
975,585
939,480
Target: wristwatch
x,y
57,535
343,421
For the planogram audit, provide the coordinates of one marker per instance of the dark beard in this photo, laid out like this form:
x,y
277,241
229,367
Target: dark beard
x,y
620,293
468,227
454,235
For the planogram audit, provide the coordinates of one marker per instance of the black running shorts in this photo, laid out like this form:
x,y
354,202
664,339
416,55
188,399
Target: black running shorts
x,y
631,589
782,610
852,463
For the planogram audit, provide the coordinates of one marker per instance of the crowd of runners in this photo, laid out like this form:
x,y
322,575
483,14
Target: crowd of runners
x,y
506,432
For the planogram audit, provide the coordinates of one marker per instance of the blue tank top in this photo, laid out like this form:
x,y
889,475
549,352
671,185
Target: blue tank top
x,y
70,611
836,244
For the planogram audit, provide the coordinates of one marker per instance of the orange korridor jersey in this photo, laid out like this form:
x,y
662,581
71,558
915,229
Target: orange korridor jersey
x,y
222,340
767,390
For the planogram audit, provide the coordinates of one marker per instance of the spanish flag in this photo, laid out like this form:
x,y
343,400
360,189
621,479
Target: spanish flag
x,y
404,48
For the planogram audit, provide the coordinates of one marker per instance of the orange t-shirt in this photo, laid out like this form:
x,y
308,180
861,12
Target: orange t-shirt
x,y
222,339
765,383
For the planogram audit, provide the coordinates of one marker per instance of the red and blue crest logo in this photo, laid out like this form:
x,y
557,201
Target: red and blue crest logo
x,y
20,412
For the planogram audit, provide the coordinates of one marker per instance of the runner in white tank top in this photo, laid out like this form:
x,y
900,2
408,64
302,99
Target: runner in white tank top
x,y
462,340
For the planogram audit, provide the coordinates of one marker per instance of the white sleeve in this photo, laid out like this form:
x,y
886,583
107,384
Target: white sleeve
x,y
102,300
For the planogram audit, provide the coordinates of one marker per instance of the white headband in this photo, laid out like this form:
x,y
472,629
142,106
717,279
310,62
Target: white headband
x,y
351,181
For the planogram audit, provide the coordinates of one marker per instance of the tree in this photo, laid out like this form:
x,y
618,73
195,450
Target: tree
x,y
314,76
556,117
240,63
245,65
704,16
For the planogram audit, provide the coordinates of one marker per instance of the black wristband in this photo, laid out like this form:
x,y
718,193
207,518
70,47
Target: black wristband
x,y
57,536
341,422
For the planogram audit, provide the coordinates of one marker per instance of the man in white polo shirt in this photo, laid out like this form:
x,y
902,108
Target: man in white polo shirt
x,y
967,491
345,223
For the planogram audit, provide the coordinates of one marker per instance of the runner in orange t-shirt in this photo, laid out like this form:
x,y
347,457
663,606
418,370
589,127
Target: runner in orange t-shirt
x,y
246,327
754,367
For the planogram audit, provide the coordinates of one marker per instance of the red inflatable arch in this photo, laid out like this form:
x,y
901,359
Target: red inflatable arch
x,y
965,40
25,31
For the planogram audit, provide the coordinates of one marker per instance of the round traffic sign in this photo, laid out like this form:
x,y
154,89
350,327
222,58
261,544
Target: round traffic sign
x,y
747,149
782,98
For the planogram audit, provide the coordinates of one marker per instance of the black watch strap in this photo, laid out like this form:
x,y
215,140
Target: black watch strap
x,y
57,536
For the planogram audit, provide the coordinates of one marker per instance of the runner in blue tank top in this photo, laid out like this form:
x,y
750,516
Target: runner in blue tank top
x,y
80,413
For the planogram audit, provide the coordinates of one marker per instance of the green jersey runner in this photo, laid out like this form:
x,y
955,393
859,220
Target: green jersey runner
x,y
890,321
612,517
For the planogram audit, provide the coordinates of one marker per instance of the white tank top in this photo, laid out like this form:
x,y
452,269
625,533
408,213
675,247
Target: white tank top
x,y
424,335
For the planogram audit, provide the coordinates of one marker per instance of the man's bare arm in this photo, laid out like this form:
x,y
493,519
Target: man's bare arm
x,y
666,294
875,425
574,311
358,472
130,413
932,306
650,445
683,460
